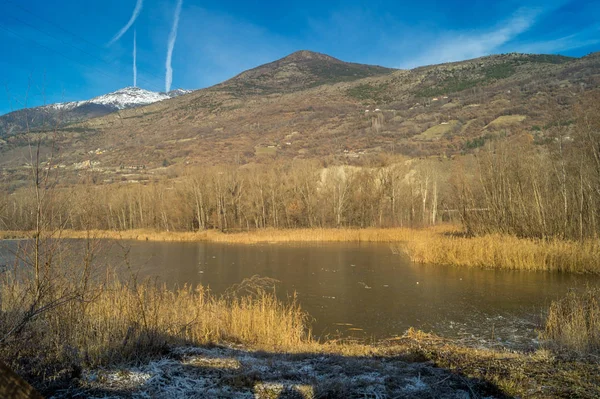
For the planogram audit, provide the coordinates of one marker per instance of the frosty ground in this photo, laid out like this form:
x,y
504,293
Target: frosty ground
x,y
233,372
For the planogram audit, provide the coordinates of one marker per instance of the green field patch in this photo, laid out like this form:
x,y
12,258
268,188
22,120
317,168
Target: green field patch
x,y
271,151
437,132
450,105
506,120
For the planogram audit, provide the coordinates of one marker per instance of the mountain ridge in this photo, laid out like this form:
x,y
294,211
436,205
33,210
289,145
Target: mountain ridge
x,y
441,110
298,71
295,72
57,114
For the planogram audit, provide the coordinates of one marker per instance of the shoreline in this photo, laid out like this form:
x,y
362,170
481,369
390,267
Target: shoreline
x,y
386,235
441,245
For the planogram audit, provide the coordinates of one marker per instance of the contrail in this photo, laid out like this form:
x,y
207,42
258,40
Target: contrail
x,y
136,12
135,58
172,38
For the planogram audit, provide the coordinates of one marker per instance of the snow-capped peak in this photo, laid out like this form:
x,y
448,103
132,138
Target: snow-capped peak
x,y
128,97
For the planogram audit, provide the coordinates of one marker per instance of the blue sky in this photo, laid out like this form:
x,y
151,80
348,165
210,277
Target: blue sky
x,y
58,50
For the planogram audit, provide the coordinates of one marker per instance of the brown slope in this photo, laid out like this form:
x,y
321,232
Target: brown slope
x,y
485,97
299,71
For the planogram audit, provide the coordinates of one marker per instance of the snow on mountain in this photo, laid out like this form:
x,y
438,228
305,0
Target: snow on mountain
x,y
63,106
128,97
76,111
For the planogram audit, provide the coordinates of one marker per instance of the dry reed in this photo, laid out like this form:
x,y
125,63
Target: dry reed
x,y
507,252
259,236
573,323
120,322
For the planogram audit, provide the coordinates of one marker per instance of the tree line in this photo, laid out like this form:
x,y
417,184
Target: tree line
x,y
297,194
512,185
541,191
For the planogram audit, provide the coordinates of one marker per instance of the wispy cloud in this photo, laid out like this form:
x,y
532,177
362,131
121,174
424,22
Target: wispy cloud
x,y
229,45
584,38
172,39
456,45
134,58
136,13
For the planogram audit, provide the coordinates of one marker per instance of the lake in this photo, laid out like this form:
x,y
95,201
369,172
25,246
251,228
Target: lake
x,y
363,290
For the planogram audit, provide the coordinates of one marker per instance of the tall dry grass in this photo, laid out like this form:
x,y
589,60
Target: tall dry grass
x,y
259,236
119,322
573,323
506,252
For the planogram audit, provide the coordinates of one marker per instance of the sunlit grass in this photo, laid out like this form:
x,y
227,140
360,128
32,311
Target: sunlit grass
x,y
259,236
507,252
573,323
123,321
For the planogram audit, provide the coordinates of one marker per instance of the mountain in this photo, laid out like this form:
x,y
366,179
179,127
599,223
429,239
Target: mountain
x,y
310,105
59,114
299,71
177,93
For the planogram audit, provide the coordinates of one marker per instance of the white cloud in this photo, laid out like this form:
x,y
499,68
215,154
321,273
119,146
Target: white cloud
x,y
223,46
452,46
172,39
136,13
135,58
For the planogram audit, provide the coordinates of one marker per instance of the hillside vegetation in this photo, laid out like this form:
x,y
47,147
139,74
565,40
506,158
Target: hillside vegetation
x,y
312,106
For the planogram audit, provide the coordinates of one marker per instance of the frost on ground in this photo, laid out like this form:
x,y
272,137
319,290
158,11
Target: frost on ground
x,y
233,373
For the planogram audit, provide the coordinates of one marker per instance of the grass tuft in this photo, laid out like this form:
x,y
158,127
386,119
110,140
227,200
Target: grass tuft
x,y
573,323
506,252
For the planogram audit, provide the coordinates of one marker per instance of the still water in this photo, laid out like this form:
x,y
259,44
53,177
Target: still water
x,y
364,290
